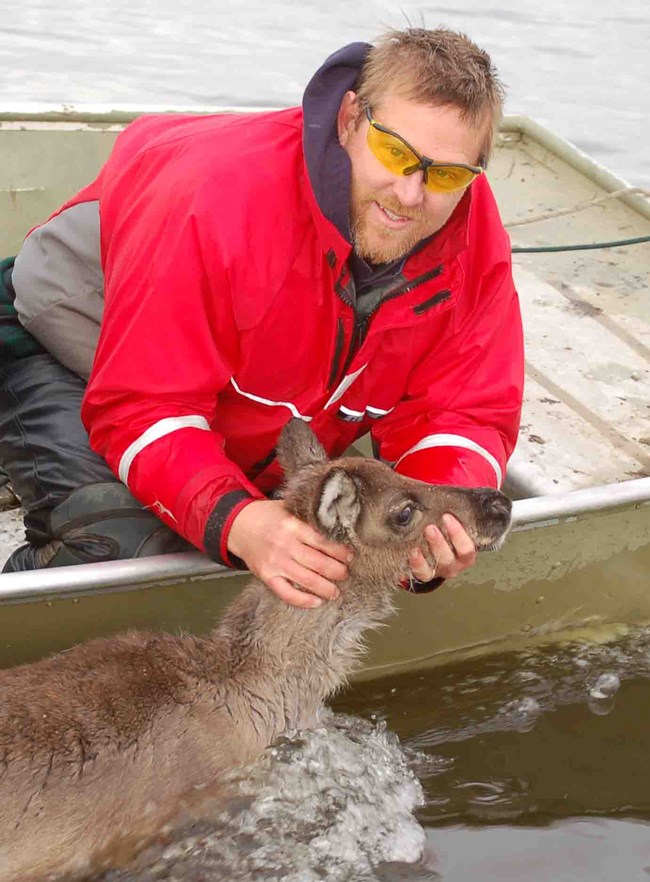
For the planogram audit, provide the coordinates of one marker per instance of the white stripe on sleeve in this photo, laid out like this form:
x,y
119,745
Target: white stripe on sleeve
x,y
153,433
443,440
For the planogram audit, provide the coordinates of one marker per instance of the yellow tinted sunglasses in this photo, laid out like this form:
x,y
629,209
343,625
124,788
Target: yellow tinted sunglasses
x,y
400,158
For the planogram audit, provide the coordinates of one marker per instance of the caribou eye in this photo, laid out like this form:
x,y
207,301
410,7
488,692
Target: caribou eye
x,y
404,517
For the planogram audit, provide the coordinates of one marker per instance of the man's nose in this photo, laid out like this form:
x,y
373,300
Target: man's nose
x,y
409,189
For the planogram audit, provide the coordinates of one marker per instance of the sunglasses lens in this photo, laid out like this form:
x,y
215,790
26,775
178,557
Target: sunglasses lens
x,y
395,156
390,151
447,178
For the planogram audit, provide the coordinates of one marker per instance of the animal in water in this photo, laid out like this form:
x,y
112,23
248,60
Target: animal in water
x,y
100,744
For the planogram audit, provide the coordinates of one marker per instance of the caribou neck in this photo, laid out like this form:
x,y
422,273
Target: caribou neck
x,y
293,658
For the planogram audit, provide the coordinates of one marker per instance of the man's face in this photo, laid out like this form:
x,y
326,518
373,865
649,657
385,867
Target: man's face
x,y
390,214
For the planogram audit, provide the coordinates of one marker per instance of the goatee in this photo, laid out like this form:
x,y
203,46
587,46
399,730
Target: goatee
x,y
377,244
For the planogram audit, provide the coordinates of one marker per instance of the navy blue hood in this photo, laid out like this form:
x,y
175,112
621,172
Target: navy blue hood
x,y
328,165
327,162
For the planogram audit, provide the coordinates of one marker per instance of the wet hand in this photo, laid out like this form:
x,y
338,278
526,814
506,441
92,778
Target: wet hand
x,y
280,550
451,555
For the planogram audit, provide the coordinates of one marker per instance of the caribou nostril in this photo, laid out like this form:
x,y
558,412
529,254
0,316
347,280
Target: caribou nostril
x,y
493,502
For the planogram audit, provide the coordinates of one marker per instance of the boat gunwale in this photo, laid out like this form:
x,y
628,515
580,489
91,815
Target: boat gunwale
x,y
142,573
90,115
576,158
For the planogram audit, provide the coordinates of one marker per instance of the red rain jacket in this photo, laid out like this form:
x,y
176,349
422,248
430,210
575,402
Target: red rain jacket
x,y
227,313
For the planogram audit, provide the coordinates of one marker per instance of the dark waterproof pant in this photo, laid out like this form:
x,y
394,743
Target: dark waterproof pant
x,y
76,510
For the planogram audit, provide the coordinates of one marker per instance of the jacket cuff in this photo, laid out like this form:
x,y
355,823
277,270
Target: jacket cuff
x,y
414,586
217,528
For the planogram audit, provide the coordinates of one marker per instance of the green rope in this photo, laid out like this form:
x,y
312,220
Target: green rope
x,y
520,250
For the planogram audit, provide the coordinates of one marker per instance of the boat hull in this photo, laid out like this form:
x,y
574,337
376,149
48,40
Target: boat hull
x,y
575,564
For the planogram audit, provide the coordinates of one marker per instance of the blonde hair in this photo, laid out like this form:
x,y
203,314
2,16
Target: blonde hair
x,y
439,67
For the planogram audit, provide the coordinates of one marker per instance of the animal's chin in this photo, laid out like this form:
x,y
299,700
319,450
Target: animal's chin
x,y
483,543
480,540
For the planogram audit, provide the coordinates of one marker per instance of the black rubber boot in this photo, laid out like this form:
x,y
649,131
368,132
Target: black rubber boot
x,y
95,523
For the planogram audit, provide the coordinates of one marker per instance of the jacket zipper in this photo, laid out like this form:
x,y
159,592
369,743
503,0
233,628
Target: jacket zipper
x,y
338,349
361,326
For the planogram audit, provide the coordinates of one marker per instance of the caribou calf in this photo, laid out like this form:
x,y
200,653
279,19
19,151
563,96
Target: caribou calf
x,y
101,744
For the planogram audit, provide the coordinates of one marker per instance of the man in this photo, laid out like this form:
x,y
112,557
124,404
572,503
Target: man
x,y
343,262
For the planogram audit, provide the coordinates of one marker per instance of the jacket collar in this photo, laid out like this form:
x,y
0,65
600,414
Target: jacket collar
x,y
328,165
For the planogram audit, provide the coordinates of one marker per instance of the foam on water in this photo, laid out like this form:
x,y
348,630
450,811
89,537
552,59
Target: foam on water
x,y
601,698
336,803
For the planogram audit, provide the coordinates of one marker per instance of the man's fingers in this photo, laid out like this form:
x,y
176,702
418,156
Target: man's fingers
x,y
453,553
327,566
286,592
311,581
463,546
287,554
442,553
312,537
420,567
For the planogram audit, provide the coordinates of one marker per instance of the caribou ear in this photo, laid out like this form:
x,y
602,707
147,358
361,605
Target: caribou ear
x,y
299,447
339,504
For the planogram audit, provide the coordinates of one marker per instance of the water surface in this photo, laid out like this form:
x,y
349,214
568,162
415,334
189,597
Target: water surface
x,y
581,67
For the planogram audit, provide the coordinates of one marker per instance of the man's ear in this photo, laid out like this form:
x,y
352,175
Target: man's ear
x,y
339,504
348,112
299,447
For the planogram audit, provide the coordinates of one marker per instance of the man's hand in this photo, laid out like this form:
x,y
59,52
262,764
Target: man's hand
x,y
451,556
280,549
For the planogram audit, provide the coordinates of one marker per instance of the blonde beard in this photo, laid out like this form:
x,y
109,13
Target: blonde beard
x,y
379,244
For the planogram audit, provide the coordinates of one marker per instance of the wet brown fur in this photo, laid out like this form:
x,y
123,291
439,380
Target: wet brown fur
x,y
99,743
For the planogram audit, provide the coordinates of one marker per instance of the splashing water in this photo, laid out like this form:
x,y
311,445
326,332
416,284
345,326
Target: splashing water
x,y
602,694
523,713
331,804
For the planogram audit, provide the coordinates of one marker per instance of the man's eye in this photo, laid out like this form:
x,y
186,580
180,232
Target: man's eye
x,y
448,174
396,153
404,516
